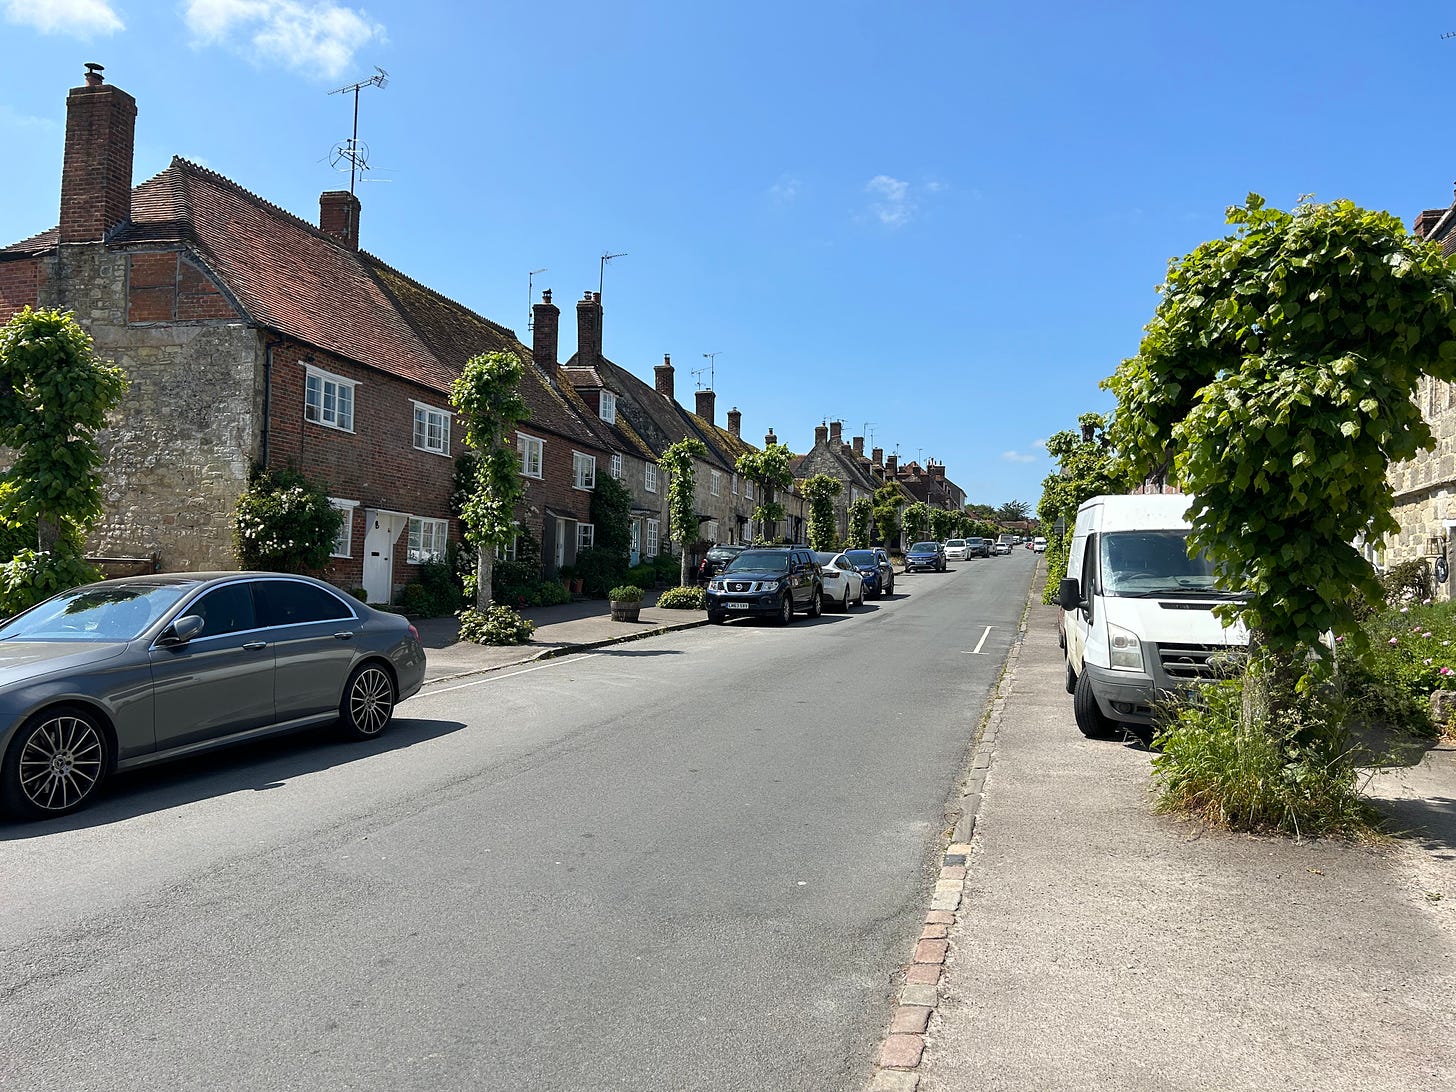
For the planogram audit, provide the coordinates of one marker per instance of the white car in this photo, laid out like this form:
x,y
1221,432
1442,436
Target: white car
x,y
1038,545
843,583
956,549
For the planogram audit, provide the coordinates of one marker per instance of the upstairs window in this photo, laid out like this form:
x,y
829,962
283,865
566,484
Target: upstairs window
x,y
432,429
617,467
584,470
328,399
715,483
531,451
650,482
608,407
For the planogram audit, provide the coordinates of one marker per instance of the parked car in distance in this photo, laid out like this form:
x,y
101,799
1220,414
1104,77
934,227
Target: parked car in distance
x,y
125,673
1038,545
998,548
978,547
843,582
874,565
956,549
929,556
714,560
767,580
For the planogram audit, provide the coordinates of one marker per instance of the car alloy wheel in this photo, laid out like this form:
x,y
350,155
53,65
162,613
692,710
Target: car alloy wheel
x,y
786,610
56,763
368,702
816,604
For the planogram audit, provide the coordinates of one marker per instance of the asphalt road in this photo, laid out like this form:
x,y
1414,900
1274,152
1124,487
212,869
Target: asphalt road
x,y
693,862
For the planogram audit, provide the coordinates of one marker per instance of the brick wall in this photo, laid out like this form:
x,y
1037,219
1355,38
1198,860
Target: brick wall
x,y
168,287
19,286
556,490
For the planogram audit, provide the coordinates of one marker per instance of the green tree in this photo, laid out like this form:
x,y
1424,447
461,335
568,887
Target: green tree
x,y
1013,511
58,395
770,469
887,502
1085,469
284,523
917,522
820,490
942,524
488,398
679,462
861,512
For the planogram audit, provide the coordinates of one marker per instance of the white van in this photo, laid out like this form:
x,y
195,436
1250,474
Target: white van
x,y
1137,611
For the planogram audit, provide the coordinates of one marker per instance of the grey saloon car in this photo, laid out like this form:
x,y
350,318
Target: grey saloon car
x,y
125,673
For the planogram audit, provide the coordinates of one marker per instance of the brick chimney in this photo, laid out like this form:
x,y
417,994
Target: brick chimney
x,y
892,465
937,471
707,401
835,430
858,442
589,330
545,331
1426,221
339,216
96,170
663,375
821,435
769,439
877,456
735,422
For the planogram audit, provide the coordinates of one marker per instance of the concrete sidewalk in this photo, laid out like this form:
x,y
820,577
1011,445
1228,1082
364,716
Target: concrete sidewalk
x,y
1080,940
584,623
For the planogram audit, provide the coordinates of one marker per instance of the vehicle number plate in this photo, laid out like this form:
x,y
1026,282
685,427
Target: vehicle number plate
x,y
736,606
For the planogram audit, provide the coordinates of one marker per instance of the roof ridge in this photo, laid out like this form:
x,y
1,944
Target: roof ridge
x,y
496,326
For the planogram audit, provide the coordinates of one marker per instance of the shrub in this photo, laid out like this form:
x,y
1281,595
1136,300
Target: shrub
x,y
1408,582
359,594
496,625
598,570
548,593
625,593
684,597
32,575
1298,777
1410,652
284,523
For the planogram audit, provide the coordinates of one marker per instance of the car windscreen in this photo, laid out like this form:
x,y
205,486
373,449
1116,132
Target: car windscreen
x,y
113,613
960,541
718,554
924,548
824,557
865,558
763,561
1139,563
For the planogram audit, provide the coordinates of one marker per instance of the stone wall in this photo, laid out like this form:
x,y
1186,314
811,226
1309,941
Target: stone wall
x,y
1424,488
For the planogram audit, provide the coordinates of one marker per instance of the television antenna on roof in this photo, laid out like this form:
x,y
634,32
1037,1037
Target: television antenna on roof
x,y
712,359
354,150
602,272
531,298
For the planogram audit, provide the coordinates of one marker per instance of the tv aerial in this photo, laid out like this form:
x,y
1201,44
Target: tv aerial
x,y
712,359
354,151
531,298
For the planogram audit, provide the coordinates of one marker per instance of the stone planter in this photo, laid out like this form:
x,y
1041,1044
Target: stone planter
x,y
626,611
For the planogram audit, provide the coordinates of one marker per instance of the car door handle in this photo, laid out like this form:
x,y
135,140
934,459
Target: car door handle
x,y
253,646
344,635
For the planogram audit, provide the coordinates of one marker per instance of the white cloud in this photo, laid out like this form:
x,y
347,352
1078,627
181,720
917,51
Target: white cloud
x,y
785,189
11,118
319,37
78,18
1018,457
894,206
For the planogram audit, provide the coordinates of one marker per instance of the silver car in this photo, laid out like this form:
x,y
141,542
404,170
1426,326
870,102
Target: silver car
x,y
125,673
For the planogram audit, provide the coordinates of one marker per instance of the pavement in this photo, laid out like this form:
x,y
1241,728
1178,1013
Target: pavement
x,y
1077,939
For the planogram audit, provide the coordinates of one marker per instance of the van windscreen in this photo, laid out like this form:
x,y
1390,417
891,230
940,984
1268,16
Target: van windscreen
x,y
1137,563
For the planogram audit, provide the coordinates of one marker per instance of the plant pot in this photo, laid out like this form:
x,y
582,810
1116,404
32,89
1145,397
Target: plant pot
x,y
577,585
626,612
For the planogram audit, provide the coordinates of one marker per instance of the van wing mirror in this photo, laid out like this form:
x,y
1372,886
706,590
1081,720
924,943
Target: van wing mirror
x,y
1069,593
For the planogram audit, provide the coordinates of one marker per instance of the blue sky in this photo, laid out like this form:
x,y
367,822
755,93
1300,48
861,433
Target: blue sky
x,y
939,222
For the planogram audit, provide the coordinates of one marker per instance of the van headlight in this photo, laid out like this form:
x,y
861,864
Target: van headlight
x,y
1126,651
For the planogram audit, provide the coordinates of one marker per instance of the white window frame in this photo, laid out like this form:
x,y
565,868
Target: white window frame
x,y
426,411
586,536
653,537
526,446
715,483
747,488
316,410
649,481
416,551
735,483
583,470
617,466
607,407
637,536
346,527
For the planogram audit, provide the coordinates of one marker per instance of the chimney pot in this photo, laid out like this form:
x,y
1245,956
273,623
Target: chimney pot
x,y
662,374
892,465
545,331
859,446
835,428
769,439
877,456
821,435
735,422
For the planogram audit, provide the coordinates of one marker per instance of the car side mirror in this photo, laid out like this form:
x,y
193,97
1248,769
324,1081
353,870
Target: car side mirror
x,y
1069,594
182,630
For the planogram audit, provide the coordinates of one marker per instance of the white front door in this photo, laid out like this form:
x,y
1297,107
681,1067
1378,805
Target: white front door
x,y
560,542
381,530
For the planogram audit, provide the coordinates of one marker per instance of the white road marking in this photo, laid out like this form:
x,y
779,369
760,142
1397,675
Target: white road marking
x,y
979,644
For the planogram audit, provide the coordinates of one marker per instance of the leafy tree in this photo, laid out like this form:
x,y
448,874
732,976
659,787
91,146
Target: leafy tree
x,y
488,398
861,511
611,515
821,490
917,522
679,462
1085,469
285,523
942,524
58,394
770,469
1013,511
888,499
980,511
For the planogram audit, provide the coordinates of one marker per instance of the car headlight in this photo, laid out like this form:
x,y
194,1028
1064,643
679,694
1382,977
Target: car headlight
x,y
715,584
1124,648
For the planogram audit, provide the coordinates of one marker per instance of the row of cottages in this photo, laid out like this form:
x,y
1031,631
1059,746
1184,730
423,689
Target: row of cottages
x,y
1424,488
860,475
252,338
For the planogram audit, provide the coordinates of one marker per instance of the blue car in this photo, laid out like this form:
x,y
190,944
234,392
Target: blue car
x,y
925,555
874,566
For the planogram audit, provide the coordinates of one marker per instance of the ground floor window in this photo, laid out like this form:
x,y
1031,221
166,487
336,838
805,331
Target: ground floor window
x,y
585,535
427,538
652,530
344,540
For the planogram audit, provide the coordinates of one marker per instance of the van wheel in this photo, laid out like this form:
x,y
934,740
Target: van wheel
x,y
1071,679
1090,721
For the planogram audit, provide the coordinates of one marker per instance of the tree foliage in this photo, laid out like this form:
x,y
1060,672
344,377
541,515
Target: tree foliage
x,y
1277,380
57,397
1013,511
887,502
679,462
820,490
488,398
770,469
861,511
917,522
1085,469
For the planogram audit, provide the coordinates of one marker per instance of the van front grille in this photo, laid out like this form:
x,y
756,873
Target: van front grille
x,y
1190,663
